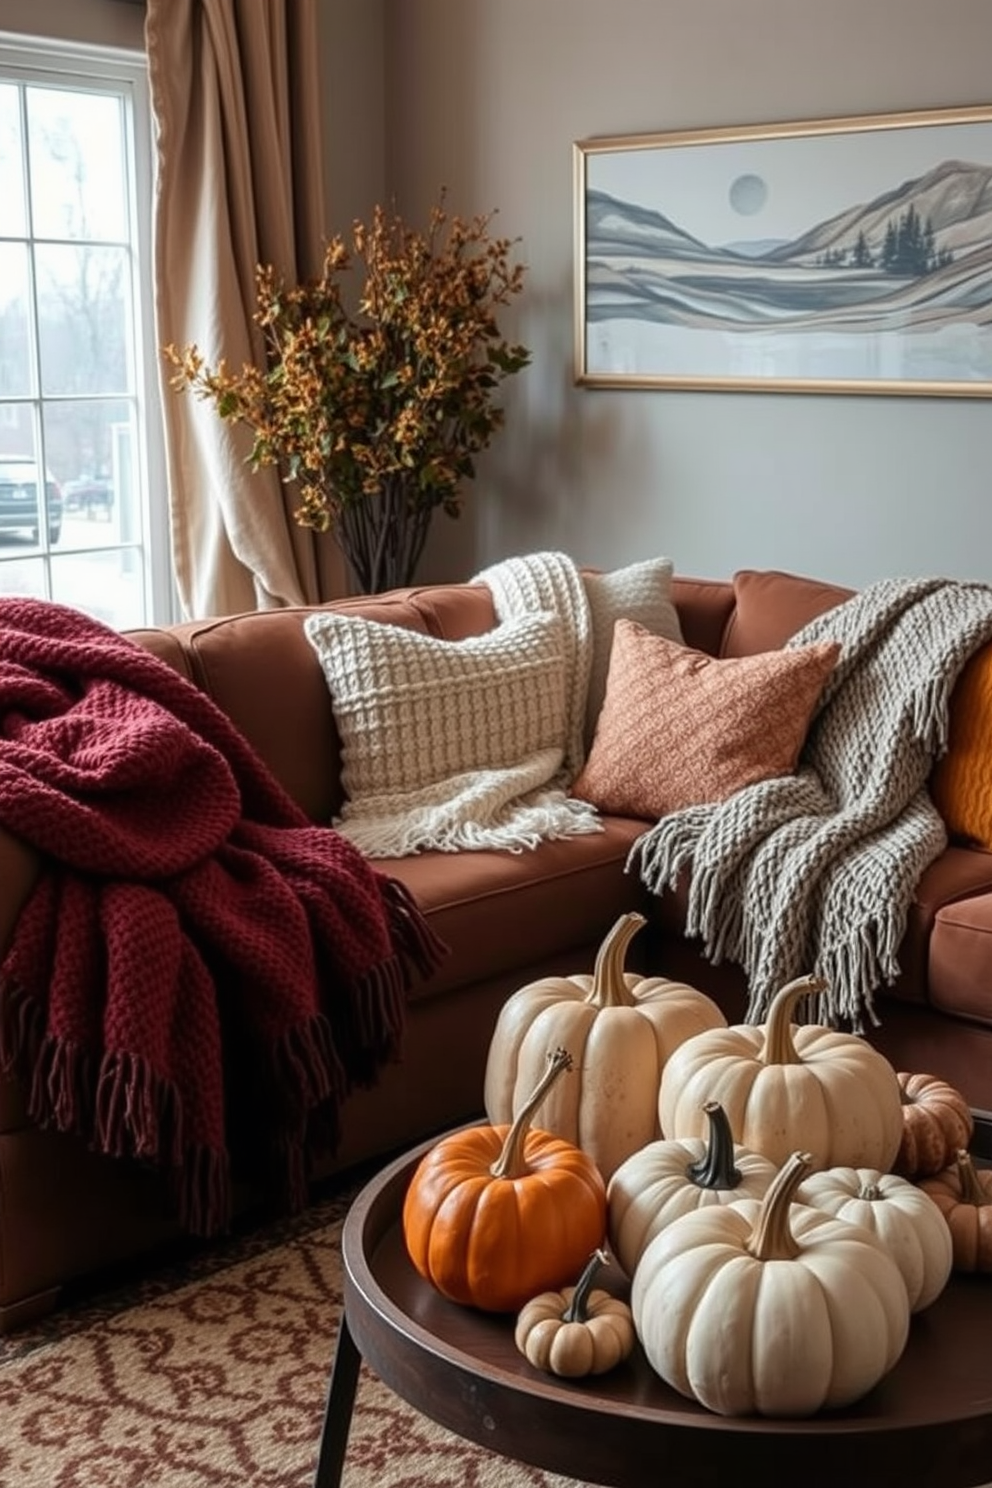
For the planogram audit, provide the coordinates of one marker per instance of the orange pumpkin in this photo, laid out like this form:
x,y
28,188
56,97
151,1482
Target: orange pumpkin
x,y
963,1194
496,1214
937,1122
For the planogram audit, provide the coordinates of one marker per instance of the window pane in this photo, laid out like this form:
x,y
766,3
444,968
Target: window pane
x,y
14,222
110,586
78,366
82,322
89,443
76,151
15,333
30,509
23,578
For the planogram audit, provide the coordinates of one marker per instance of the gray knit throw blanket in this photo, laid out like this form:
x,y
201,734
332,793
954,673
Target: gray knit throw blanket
x,y
815,872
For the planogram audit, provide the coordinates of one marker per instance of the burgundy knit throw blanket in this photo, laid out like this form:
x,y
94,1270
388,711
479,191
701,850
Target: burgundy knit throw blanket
x,y
200,973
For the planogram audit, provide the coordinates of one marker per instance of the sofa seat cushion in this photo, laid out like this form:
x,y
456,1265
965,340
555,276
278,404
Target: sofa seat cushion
x,y
544,903
957,879
961,958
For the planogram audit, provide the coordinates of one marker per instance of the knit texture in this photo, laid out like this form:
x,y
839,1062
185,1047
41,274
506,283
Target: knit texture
x,y
680,728
962,781
551,581
446,744
641,592
200,972
815,872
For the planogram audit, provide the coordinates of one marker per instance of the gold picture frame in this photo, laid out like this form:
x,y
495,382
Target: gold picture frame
x,y
831,256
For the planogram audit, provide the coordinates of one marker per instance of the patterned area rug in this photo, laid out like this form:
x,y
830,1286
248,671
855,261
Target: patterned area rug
x,y
213,1374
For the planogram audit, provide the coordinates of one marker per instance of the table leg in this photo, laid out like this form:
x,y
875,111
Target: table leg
x,y
337,1412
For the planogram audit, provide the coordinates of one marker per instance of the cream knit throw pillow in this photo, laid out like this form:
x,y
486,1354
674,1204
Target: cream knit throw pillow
x,y
449,744
641,592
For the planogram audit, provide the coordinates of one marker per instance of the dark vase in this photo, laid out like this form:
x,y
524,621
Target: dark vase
x,y
383,536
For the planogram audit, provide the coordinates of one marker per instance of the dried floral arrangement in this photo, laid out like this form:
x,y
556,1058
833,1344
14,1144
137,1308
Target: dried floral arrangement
x,y
376,414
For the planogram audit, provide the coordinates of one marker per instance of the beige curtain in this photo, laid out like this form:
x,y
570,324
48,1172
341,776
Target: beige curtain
x,y
236,107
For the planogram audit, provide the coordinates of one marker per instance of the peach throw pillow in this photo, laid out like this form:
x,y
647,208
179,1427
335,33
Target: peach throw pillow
x,y
961,784
680,728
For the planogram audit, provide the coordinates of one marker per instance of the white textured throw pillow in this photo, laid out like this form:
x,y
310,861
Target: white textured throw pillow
x,y
444,743
641,592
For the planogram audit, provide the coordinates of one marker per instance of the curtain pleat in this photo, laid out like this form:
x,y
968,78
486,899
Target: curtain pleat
x,y
235,94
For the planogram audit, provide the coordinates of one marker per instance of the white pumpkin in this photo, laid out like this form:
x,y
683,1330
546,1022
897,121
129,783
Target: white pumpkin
x,y
769,1307
903,1217
620,1030
668,1178
785,1086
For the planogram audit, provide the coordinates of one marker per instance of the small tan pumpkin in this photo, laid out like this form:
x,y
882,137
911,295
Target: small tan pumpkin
x,y
963,1194
769,1307
937,1121
669,1177
904,1218
785,1086
619,1028
578,1330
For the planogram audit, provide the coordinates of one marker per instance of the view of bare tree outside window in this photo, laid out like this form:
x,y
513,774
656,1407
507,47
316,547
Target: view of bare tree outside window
x,y
72,509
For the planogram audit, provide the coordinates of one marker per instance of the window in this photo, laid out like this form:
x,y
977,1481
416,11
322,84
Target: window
x,y
80,436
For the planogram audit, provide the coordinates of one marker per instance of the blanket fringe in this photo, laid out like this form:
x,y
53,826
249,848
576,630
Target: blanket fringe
x,y
203,1192
412,936
137,1113
22,1027
306,1062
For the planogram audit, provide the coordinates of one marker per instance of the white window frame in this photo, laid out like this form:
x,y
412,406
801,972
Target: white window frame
x,y
42,59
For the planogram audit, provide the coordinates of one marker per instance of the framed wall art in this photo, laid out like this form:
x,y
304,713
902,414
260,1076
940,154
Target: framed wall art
x,y
832,256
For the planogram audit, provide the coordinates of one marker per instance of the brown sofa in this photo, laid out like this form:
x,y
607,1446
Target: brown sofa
x,y
507,918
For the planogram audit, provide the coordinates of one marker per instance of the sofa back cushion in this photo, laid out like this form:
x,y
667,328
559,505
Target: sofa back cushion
x,y
770,607
704,608
261,670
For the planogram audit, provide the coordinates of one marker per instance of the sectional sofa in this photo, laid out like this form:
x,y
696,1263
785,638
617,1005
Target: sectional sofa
x,y
507,918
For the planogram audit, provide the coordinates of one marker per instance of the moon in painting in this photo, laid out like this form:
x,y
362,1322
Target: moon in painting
x,y
748,195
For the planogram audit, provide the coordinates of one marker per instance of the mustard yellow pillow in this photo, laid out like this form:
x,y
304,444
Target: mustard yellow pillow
x,y
680,728
961,784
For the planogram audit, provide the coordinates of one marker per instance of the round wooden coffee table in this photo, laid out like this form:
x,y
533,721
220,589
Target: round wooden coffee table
x,y
928,1424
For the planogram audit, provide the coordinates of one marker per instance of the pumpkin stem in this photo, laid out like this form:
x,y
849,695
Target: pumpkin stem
x,y
870,1191
771,1238
609,985
972,1191
576,1312
511,1162
779,1047
716,1168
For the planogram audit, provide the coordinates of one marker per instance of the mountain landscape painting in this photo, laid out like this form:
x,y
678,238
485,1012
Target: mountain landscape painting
x,y
851,256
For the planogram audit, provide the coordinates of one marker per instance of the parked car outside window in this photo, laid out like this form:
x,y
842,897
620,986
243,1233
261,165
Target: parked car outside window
x,y
21,507
90,495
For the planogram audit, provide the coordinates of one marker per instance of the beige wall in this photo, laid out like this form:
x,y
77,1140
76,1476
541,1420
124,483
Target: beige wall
x,y
487,96
106,22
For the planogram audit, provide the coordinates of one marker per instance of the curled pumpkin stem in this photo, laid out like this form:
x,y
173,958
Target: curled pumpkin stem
x,y
511,1162
576,1311
609,987
716,1168
771,1238
779,1046
972,1191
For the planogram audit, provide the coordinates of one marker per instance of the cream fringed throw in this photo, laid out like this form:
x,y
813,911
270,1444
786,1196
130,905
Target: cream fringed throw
x,y
551,581
455,745
815,872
